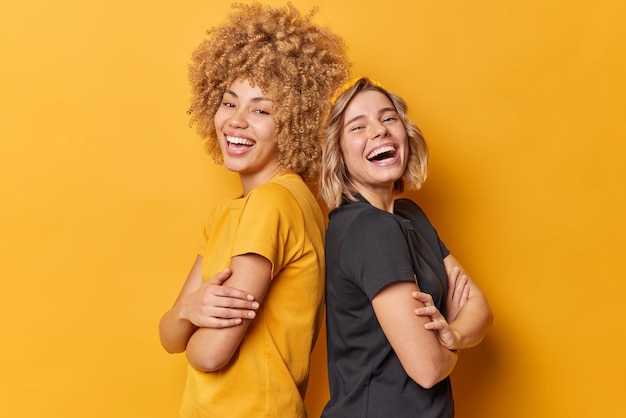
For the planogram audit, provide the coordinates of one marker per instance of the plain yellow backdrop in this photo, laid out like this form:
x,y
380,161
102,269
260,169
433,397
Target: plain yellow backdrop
x,y
104,190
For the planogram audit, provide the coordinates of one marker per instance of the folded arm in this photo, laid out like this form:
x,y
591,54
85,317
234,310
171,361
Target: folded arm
x,y
210,349
204,304
475,317
423,358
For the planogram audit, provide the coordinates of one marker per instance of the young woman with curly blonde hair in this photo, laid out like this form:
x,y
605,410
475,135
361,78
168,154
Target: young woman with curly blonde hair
x,y
250,310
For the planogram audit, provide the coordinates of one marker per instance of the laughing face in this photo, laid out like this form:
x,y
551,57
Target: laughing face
x,y
374,143
246,131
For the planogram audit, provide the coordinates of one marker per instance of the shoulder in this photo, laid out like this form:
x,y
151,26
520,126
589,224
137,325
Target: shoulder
x,y
409,207
272,194
363,221
277,200
410,210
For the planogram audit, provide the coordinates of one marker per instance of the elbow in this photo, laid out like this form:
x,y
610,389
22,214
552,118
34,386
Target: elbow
x,y
427,380
209,352
206,363
172,349
206,357
487,312
436,370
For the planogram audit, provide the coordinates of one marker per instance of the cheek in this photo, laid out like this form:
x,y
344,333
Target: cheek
x,y
352,152
217,120
221,115
347,148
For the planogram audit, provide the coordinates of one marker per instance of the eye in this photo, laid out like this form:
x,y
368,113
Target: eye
x,y
356,128
228,104
261,112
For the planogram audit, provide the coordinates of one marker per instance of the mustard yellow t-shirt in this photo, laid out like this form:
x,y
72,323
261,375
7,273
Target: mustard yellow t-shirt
x,y
268,374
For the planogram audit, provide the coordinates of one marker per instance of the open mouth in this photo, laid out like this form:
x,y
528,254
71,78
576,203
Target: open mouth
x,y
236,142
382,153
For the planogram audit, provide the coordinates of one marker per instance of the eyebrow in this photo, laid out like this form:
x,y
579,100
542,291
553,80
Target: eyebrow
x,y
380,112
254,99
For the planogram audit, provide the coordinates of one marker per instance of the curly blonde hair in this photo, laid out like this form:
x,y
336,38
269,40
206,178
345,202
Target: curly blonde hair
x,y
293,61
335,182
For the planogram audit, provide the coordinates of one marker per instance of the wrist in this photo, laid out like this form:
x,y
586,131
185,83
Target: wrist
x,y
458,340
182,313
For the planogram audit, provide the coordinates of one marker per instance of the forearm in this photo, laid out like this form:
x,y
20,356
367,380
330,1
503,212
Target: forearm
x,y
439,367
472,322
423,358
175,331
475,317
211,349
174,328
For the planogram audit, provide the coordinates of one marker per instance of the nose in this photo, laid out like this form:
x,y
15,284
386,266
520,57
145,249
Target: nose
x,y
238,118
379,130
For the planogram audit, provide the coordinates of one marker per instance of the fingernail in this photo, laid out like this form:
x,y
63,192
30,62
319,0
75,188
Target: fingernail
x,y
251,314
255,305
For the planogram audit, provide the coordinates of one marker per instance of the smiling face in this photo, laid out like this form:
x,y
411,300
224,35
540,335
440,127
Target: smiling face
x,y
246,131
374,144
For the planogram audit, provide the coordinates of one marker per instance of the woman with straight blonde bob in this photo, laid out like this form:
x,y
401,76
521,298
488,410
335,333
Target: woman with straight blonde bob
x,y
399,305
335,184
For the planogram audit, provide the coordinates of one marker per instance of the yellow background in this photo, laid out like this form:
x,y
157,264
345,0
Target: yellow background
x,y
104,190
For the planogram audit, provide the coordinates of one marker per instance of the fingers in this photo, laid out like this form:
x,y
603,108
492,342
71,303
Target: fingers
x,y
228,297
465,295
456,283
440,325
235,313
220,317
229,303
425,298
221,277
430,311
461,284
223,323
217,306
232,294
219,295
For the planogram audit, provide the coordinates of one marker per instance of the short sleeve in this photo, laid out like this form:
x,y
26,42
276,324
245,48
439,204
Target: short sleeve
x,y
206,231
270,225
375,252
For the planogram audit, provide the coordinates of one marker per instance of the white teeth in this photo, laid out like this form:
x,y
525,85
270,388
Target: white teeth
x,y
240,141
379,151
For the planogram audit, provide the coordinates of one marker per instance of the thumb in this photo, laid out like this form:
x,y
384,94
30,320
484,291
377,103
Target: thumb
x,y
221,277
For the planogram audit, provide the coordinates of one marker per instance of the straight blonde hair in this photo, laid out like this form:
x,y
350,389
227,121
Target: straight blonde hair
x,y
335,182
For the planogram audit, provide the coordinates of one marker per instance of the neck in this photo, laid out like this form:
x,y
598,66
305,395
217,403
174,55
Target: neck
x,y
250,182
381,199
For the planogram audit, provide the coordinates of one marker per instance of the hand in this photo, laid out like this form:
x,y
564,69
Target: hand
x,y
458,293
213,305
447,338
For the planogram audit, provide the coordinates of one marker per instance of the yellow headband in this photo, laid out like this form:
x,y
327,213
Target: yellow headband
x,y
351,83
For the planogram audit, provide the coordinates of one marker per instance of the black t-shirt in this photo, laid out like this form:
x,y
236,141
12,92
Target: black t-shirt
x,y
366,250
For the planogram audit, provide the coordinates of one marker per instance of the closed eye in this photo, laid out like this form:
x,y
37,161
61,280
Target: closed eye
x,y
389,117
